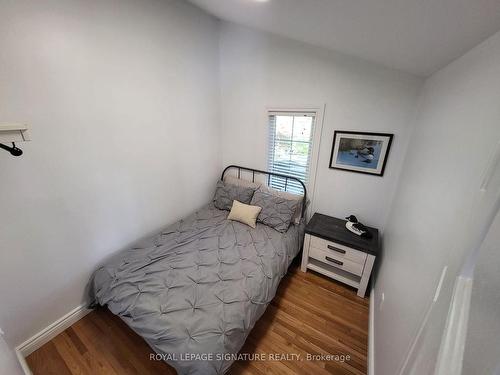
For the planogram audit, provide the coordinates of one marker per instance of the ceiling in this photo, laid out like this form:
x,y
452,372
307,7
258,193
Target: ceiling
x,y
415,36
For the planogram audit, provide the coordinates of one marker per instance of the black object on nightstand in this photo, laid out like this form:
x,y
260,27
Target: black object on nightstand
x,y
331,249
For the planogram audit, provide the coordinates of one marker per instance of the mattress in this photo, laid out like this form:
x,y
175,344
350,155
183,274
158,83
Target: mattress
x,y
195,290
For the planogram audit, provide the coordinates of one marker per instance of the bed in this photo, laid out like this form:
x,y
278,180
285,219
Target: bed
x,y
195,290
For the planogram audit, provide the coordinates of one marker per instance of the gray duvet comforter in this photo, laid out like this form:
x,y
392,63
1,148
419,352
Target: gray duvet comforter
x,y
195,290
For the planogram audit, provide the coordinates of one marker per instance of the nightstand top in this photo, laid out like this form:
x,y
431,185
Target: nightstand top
x,y
333,229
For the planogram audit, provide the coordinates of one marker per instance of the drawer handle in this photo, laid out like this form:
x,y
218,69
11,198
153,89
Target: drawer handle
x,y
334,261
336,249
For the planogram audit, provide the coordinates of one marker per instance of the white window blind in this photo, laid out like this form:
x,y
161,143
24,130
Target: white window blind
x,y
290,148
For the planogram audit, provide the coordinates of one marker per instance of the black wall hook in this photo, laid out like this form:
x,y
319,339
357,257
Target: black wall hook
x,y
14,151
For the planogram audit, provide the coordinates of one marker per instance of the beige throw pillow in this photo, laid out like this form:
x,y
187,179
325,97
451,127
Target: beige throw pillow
x,y
244,213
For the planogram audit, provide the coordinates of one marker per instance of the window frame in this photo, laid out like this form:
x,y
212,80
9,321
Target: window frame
x,y
315,143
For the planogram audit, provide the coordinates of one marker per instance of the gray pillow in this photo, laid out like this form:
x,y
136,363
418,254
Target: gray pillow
x,y
277,212
226,193
285,194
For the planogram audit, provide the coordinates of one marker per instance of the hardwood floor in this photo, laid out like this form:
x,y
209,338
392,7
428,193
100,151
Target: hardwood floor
x,y
309,315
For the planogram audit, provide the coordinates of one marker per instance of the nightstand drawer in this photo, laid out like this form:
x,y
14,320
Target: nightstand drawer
x,y
338,251
335,261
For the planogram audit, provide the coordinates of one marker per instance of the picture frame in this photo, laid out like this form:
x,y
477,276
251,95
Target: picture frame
x,y
361,152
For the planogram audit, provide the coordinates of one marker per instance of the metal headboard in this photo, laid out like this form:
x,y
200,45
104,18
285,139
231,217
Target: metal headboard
x,y
269,174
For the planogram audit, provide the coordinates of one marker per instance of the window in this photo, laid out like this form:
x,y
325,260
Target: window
x,y
290,148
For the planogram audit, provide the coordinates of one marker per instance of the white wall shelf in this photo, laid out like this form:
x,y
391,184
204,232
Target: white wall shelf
x,y
14,133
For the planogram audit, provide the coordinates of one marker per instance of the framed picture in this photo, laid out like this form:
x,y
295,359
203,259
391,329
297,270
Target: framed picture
x,y
360,152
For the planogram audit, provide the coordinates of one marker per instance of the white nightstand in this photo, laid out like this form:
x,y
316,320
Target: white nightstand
x,y
330,249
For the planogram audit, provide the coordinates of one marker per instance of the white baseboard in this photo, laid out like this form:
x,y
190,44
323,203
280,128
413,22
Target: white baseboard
x,y
371,334
48,333
23,363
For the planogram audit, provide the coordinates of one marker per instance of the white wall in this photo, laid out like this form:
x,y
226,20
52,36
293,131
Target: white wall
x,y
122,99
437,201
259,70
8,360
